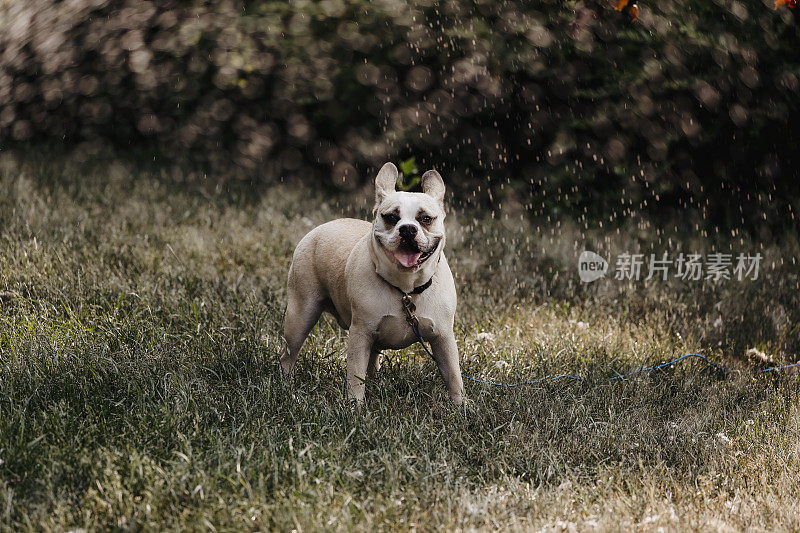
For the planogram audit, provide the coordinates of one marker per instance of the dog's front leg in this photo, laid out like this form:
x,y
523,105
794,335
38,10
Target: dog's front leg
x,y
445,353
359,346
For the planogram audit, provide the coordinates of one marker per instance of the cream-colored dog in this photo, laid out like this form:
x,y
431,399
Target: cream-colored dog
x,y
359,272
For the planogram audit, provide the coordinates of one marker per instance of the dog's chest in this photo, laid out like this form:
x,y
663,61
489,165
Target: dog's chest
x,y
394,332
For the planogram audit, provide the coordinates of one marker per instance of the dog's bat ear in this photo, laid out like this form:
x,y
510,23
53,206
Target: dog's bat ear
x,y
433,185
385,181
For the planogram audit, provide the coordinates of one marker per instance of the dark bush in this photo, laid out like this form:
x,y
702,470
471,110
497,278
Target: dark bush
x,y
567,104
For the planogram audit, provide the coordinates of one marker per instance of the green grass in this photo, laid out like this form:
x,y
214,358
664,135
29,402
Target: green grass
x,y
139,330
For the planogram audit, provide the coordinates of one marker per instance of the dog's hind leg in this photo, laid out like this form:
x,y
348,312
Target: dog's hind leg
x,y
302,312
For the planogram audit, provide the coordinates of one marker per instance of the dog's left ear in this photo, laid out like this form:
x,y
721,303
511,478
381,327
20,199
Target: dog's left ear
x,y
433,185
385,182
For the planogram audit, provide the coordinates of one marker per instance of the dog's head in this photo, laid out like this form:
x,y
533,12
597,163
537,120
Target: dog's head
x,y
409,226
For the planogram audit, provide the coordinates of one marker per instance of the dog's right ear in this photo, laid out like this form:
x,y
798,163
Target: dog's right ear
x,y
385,182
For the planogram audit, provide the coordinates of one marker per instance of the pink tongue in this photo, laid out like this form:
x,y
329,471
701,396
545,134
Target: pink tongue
x,y
406,259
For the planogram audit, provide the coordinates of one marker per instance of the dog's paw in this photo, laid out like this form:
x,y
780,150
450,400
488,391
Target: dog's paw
x,y
465,406
285,373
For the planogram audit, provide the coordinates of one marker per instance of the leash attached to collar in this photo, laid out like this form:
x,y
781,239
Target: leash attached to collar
x,y
408,303
409,308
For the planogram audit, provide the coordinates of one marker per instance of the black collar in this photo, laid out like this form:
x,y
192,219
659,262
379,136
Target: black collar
x,y
422,287
417,290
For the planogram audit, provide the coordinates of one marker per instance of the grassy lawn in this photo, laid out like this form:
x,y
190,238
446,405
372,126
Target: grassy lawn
x,y
140,326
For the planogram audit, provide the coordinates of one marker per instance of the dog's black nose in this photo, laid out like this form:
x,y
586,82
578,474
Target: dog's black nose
x,y
408,231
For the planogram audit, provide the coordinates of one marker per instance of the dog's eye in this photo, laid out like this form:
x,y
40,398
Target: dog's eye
x,y
425,220
391,219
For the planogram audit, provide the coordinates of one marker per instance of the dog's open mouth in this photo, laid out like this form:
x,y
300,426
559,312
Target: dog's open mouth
x,y
410,256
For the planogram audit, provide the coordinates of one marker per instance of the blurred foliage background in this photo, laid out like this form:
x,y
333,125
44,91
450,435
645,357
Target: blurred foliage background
x,y
563,106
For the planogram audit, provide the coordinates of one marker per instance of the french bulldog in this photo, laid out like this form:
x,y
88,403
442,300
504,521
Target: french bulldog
x,y
359,272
